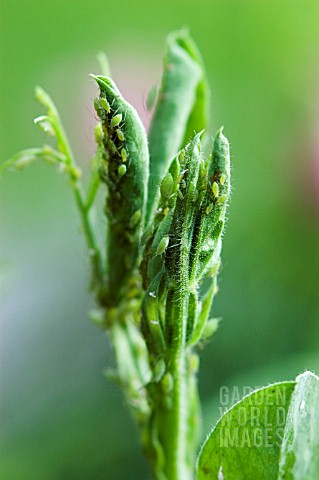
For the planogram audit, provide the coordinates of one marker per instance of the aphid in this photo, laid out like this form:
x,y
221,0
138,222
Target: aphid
x,y
167,186
136,217
124,155
105,104
98,133
209,208
97,105
222,198
194,362
168,382
203,173
180,195
129,237
181,156
116,120
105,155
121,170
215,189
179,178
222,179
195,196
162,246
120,135
111,146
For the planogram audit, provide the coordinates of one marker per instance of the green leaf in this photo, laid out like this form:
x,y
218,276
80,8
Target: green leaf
x,y
180,109
300,447
246,442
271,434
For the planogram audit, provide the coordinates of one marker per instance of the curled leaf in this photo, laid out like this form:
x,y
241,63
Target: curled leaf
x,y
124,169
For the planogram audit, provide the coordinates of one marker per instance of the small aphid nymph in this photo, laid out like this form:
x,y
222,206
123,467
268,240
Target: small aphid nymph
x,y
215,189
136,217
124,155
98,133
209,208
167,186
162,246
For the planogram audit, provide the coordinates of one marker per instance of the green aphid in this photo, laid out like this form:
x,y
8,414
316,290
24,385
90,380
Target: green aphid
x,y
209,208
121,170
180,195
97,105
179,178
215,189
162,246
136,217
168,382
111,146
105,104
167,186
194,362
223,198
116,120
98,133
195,196
124,154
120,135
181,157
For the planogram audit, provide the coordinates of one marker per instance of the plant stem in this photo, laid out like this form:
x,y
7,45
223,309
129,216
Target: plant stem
x,y
177,459
177,456
174,425
94,252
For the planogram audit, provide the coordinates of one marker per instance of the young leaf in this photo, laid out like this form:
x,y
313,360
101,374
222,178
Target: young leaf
x,y
180,109
124,169
246,442
272,433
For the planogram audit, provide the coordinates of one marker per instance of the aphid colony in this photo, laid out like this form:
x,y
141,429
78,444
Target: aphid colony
x,y
112,136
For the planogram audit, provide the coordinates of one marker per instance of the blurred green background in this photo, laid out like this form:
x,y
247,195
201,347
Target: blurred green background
x,y
60,419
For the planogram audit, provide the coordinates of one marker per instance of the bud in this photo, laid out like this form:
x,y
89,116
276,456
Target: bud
x,y
180,108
